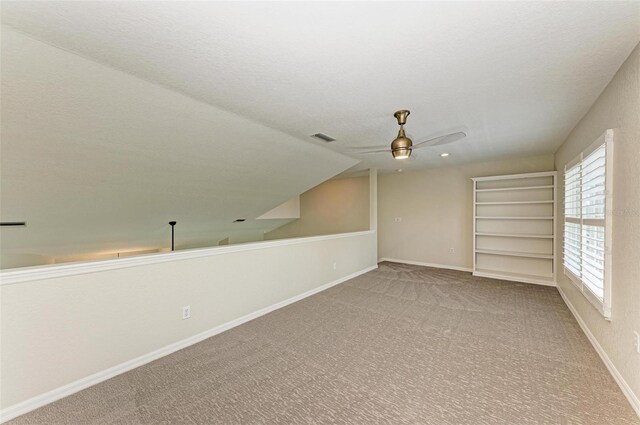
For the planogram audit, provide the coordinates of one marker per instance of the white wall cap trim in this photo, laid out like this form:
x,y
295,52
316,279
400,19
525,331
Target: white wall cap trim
x,y
29,274
50,396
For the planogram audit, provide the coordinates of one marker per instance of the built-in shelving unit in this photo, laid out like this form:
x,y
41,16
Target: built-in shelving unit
x,y
514,221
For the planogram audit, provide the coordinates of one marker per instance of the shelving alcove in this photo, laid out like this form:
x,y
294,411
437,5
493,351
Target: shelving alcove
x,y
514,227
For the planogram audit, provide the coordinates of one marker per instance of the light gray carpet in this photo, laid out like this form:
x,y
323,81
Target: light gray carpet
x,y
399,345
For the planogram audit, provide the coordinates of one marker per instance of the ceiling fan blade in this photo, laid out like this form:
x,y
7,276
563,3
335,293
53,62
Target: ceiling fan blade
x,y
367,148
441,140
374,151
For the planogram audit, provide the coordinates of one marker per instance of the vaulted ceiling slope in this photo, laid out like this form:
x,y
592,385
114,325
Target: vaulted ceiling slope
x,y
96,160
516,75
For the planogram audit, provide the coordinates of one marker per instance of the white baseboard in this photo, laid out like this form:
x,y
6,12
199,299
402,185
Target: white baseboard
x,y
418,263
499,276
626,390
26,406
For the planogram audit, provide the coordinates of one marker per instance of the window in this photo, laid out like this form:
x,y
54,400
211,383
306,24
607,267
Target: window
x,y
587,222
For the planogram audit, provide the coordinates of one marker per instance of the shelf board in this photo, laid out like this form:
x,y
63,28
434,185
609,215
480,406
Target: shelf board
x,y
499,189
516,176
515,235
514,203
517,277
514,254
514,218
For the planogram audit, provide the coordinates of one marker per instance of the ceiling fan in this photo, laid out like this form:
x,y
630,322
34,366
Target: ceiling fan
x,y
402,146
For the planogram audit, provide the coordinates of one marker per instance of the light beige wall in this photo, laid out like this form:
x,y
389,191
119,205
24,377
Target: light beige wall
x,y
618,107
335,206
436,209
8,261
59,330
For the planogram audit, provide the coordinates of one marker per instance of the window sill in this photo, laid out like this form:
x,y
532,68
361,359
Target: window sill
x,y
599,305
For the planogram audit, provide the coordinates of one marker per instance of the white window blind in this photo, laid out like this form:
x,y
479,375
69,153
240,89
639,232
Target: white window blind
x,y
587,227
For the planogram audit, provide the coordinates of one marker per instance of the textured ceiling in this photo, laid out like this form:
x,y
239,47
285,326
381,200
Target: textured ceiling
x,y
517,75
94,158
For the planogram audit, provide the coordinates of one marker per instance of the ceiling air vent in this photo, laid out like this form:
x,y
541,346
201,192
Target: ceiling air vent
x,y
239,220
323,137
13,223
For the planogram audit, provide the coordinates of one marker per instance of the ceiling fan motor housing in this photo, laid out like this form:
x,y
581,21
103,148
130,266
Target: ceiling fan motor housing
x,y
401,146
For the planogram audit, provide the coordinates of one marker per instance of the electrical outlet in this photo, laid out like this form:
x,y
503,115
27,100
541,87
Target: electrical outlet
x,y
452,250
186,312
335,266
398,219
636,341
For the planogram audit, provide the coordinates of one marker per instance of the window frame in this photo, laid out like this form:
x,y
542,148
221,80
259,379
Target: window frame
x,y
604,305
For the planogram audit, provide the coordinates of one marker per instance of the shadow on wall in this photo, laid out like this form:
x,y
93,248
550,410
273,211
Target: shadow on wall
x,y
335,206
